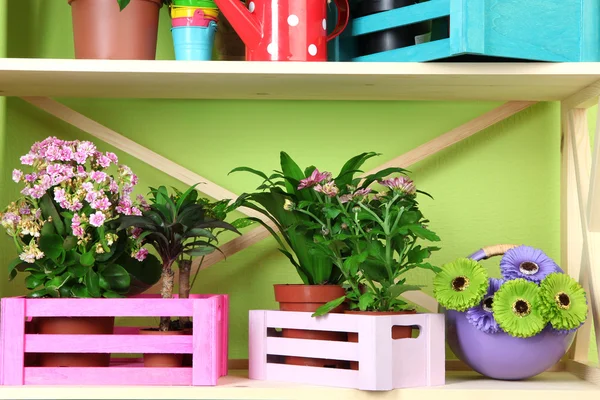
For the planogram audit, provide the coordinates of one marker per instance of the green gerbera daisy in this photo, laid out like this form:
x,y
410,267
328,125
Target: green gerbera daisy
x,y
461,284
563,301
516,308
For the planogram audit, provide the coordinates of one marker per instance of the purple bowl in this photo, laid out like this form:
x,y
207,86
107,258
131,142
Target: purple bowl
x,y
501,356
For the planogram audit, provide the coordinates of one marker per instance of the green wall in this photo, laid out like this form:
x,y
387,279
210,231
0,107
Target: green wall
x,y
497,187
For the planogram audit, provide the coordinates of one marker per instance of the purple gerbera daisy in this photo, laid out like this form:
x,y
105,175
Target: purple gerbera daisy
x,y
481,315
527,263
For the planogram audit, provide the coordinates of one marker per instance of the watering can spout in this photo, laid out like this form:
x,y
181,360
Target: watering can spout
x,y
243,22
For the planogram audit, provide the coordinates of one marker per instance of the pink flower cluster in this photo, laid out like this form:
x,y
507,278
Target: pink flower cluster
x,y
75,175
322,183
402,184
358,194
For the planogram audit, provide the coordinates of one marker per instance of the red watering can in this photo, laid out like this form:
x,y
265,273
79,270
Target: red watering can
x,y
284,30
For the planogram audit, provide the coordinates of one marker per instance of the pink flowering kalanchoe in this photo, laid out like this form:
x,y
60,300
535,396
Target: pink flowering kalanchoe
x,y
77,178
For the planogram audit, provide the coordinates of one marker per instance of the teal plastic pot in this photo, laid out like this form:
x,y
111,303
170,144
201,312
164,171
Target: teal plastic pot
x,y
194,43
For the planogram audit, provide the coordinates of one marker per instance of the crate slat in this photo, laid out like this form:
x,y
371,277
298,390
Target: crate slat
x,y
312,375
12,355
313,348
108,376
176,344
109,307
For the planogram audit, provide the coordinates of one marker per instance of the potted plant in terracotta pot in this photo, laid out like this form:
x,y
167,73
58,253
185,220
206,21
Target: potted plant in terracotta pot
x,y
382,233
321,278
64,230
116,29
179,227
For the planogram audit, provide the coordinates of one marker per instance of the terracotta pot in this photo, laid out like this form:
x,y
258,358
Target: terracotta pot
x,y
398,332
152,360
75,326
308,298
101,31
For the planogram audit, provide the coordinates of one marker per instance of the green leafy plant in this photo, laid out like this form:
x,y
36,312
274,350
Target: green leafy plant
x,y
296,230
372,237
179,226
64,229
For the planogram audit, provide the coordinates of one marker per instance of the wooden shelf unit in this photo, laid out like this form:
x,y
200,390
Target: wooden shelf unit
x,y
575,85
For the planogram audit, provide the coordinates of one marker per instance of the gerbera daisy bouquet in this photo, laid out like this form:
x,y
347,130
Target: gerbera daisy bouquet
x,y
64,224
534,294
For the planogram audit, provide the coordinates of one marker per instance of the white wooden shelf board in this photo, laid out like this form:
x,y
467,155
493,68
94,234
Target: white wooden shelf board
x,y
291,80
459,386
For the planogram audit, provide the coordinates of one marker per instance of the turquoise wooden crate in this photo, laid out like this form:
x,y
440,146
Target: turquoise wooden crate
x,y
540,30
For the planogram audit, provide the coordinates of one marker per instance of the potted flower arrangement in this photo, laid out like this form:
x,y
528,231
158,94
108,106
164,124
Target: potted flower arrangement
x,y
321,278
63,227
523,323
179,226
116,29
374,238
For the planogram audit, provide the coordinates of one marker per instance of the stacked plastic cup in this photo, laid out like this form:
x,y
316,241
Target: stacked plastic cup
x,y
194,24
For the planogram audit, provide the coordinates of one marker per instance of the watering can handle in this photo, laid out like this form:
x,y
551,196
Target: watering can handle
x,y
343,16
490,251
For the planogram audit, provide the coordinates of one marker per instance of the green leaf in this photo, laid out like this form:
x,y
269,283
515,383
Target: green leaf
x,y
430,267
367,180
417,255
38,293
54,285
332,212
375,271
49,210
80,291
92,282
200,251
142,274
47,229
33,282
87,259
352,263
397,290
354,164
326,308
51,245
365,300
117,278
251,170
292,170
423,233
109,294
69,243
13,264
199,232
77,270
184,197
123,4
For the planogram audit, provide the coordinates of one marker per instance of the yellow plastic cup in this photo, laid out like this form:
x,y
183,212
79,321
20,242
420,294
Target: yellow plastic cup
x,y
188,12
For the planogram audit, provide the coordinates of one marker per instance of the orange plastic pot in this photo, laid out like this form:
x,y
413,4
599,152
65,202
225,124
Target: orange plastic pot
x,y
309,298
102,31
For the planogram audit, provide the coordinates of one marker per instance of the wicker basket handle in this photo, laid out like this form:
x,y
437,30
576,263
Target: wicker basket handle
x,y
490,251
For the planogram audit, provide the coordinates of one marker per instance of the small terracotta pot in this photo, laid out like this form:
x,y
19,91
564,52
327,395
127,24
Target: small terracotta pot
x,y
398,332
163,360
309,298
75,326
101,31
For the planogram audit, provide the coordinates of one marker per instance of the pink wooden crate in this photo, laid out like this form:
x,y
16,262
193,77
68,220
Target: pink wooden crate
x,y
208,344
384,363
